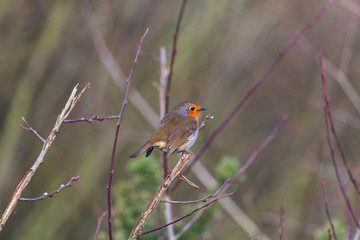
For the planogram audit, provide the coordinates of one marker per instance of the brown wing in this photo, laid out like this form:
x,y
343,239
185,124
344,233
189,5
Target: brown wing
x,y
181,134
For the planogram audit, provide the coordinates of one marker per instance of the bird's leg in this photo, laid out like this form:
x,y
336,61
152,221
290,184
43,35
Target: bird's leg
x,y
184,152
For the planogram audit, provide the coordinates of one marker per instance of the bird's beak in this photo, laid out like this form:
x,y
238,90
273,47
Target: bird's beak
x,y
202,109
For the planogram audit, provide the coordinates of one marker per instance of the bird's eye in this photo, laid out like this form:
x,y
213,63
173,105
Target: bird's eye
x,y
192,108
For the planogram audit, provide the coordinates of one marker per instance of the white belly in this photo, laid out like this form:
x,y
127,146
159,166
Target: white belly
x,y
185,146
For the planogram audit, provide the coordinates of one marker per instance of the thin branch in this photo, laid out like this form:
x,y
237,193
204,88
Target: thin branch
x,y
281,223
328,137
256,153
136,232
189,214
173,54
189,224
329,234
229,181
62,186
73,99
327,210
216,194
29,128
111,65
272,66
208,117
332,127
117,134
99,220
229,206
92,119
317,104
348,214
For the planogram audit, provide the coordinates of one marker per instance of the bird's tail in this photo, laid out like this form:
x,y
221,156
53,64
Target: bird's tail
x,y
141,150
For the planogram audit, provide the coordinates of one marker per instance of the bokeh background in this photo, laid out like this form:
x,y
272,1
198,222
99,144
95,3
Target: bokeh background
x,y
47,47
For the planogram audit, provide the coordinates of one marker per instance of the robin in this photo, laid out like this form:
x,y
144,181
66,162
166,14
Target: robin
x,y
176,132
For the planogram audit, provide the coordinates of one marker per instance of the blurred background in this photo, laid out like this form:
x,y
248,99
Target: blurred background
x,y
224,47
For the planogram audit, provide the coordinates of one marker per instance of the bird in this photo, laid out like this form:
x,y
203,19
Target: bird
x,y
176,132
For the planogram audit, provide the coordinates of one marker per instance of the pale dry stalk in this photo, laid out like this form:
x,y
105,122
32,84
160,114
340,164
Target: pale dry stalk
x,y
73,99
135,233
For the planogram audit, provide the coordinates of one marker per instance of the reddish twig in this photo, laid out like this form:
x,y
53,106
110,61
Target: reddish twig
x,y
173,54
283,52
327,112
187,215
117,134
216,194
112,66
92,119
348,214
332,127
281,223
29,128
327,211
99,220
62,186
240,172
208,117
329,234
256,153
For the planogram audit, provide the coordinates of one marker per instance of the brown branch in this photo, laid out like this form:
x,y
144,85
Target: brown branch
x,y
216,194
173,54
189,214
62,186
136,232
117,134
73,99
327,112
92,119
113,68
241,171
257,84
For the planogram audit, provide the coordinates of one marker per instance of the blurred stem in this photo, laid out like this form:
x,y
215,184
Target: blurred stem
x,y
169,218
25,92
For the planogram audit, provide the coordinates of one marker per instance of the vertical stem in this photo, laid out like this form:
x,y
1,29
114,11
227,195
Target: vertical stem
x,y
117,134
173,54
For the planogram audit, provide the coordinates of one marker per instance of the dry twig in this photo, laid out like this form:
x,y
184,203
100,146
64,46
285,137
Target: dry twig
x,y
136,232
73,99
62,186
